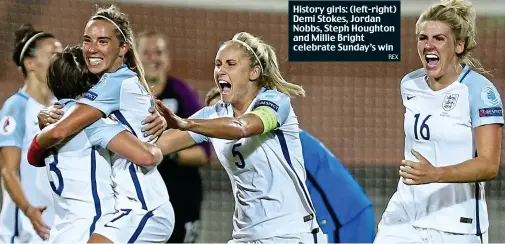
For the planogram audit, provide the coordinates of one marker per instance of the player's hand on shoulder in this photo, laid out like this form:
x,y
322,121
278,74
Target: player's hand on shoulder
x,y
50,115
173,121
34,213
154,124
418,173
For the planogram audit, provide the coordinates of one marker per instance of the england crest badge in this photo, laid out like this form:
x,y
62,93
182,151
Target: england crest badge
x,y
450,101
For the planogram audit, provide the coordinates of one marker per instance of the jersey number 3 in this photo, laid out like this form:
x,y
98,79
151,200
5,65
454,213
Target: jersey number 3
x,y
53,168
424,129
236,153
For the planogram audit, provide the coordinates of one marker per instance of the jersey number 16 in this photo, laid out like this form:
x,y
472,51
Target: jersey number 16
x,y
424,129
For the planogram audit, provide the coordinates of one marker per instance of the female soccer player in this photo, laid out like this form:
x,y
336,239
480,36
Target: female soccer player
x,y
343,210
27,212
255,134
80,170
453,130
181,168
121,92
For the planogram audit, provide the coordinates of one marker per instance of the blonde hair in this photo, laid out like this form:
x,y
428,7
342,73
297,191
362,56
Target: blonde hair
x,y
263,55
124,34
212,94
460,16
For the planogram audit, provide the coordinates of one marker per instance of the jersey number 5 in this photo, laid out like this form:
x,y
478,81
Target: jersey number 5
x,y
424,129
236,153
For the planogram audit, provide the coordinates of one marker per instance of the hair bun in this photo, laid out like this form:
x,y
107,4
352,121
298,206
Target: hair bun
x,y
24,33
21,36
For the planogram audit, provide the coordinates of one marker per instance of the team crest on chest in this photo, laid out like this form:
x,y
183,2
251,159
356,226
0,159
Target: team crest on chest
x,y
450,101
8,124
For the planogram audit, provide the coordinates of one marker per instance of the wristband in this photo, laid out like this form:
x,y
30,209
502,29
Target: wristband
x,y
36,154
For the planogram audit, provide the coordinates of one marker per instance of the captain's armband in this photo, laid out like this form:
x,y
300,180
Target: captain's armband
x,y
268,117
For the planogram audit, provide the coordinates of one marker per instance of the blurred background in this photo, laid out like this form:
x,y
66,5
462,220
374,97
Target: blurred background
x,y
354,108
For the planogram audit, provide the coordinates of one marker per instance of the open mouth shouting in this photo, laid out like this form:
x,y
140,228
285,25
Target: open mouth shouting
x,y
224,86
432,60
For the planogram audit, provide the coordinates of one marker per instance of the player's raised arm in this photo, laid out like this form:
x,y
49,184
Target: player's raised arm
x,y
228,128
269,111
174,140
74,120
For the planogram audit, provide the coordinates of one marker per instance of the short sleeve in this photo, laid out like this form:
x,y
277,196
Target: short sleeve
x,y
105,95
203,113
12,121
410,76
102,131
402,87
279,103
486,106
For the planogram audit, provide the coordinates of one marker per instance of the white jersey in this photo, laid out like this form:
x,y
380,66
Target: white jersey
x,y
266,171
79,174
18,126
439,125
121,96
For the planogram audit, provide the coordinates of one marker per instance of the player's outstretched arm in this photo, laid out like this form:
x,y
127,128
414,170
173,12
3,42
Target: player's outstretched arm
x,y
260,120
194,156
174,140
227,128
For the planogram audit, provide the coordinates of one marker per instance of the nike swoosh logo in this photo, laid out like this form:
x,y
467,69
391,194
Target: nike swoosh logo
x,y
410,97
107,225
